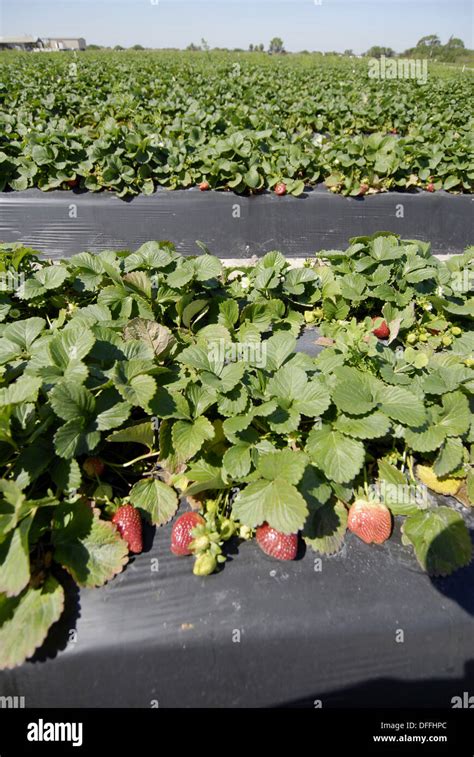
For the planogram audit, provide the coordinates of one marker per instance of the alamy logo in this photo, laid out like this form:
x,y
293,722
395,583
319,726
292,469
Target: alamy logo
x,y
42,731
465,702
399,68
12,703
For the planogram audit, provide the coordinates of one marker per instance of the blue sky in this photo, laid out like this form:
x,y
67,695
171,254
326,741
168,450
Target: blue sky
x,y
303,24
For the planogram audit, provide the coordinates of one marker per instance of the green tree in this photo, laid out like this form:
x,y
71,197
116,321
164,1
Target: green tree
x,y
377,51
454,43
431,40
276,46
137,47
250,48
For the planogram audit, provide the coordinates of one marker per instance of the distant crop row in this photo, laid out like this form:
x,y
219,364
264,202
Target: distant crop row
x,y
132,122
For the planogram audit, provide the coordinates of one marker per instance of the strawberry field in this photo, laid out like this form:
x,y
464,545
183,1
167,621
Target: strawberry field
x,y
132,382
130,122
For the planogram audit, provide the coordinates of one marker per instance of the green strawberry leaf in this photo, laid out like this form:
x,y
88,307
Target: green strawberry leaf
x,y
314,402
66,474
25,621
137,390
401,405
278,348
352,392
450,457
15,559
156,498
285,464
440,539
425,439
138,433
454,417
95,557
237,461
11,501
336,455
371,426
70,401
470,486
189,436
325,530
75,438
277,502
24,389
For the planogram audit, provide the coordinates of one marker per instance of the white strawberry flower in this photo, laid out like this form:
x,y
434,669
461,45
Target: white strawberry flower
x,y
235,275
245,283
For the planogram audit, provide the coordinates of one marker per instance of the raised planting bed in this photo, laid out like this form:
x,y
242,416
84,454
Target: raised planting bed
x,y
62,223
133,122
151,402
260,633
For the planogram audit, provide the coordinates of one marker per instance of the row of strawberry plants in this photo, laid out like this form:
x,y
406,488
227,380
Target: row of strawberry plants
x,y
132,380
130,123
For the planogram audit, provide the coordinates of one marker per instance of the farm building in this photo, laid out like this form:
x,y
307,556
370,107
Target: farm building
x,y
18,43
63,43
43,44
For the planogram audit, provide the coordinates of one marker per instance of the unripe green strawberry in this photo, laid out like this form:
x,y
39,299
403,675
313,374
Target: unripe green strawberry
x,y
423,337
245,532
447,341
456,331
309,316
226,529
412,338
205,564
199,544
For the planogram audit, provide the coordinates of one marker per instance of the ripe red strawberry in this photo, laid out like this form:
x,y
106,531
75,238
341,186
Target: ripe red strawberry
x,y
181,536
370,521
363,189
280,188
204,186
129,525
72,183
93,466
430,187
383,331
275,544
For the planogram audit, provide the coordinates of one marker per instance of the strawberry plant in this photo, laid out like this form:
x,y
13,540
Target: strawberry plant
x,y
132,122
131,380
